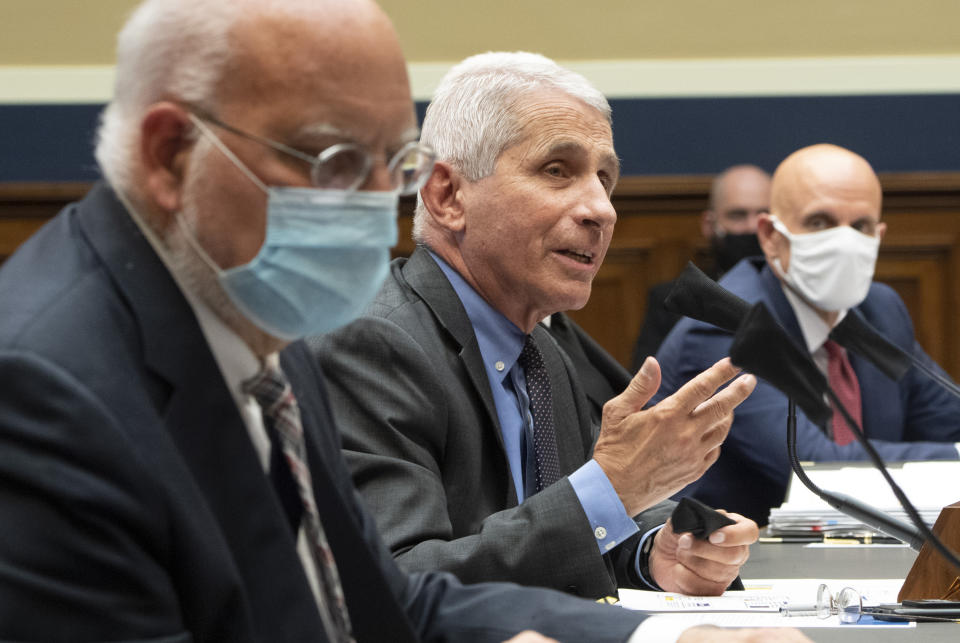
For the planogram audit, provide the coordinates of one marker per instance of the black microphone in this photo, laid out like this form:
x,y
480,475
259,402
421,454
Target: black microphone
x,y
856,334
762,347
698,296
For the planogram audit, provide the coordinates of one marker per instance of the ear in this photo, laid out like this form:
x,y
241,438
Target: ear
x,y
766,235
165,144
771,241
707,224
881,230
443,197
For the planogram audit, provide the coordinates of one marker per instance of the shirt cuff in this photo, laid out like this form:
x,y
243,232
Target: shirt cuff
x,y
636,562
609,520
956,445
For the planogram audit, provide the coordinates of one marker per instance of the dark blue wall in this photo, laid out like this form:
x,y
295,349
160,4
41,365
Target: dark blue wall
x,y
652,136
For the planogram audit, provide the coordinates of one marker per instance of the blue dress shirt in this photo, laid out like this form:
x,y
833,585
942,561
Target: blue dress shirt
x,y
500,343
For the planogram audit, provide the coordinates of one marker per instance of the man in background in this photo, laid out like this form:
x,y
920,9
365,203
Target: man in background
x,y
820,243
464,426
738,196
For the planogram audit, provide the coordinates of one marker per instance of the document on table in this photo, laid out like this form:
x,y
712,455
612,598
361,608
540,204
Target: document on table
x,y
759,604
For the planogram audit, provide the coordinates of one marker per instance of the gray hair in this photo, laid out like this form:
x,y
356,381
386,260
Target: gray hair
x,y
472,118
169,50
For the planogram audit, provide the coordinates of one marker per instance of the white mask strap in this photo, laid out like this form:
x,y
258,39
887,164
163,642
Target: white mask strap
x,y
228,152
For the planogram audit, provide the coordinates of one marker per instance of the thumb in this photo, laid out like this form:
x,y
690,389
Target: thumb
x,y
642,387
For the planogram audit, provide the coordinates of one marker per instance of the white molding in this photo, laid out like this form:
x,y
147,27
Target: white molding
x,y
66,84
616,78
725,77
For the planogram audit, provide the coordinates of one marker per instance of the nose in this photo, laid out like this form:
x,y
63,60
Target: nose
x,y
596,208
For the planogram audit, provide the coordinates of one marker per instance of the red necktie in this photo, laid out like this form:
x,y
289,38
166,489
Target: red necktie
x,y
844,383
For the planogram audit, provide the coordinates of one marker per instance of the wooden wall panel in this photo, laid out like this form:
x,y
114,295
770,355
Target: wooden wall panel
x,y
658,232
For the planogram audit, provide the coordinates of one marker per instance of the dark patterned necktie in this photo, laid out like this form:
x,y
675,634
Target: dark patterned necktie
x,y
541,407
281,417
844,383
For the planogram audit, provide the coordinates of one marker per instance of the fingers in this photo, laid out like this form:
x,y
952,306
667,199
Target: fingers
x,y
721,405
701,387
743,532
641,388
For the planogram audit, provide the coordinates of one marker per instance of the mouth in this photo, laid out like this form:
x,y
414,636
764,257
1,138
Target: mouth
x,y
580,256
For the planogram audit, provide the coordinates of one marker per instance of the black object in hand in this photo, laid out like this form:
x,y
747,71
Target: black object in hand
x,y
697,518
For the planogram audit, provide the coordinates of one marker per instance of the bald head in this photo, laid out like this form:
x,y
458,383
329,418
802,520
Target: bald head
x,y
819,188
737,196
825,185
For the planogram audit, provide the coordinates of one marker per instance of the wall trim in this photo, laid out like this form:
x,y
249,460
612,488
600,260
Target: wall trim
x,y
718,77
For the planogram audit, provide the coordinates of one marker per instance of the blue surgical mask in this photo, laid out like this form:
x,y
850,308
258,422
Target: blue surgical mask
x,y
323,259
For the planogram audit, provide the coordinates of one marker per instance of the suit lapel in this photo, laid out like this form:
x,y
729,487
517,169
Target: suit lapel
x,y
203,420
424,276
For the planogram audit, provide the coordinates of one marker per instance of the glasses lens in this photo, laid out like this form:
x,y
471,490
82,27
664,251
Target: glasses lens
x,y
848,605
411,167
341,167
824,602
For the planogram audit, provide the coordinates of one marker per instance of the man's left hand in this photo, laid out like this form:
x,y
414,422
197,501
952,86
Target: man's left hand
x,y
681,563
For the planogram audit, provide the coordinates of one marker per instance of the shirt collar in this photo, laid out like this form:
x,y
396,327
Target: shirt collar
x,y
499,339
815,330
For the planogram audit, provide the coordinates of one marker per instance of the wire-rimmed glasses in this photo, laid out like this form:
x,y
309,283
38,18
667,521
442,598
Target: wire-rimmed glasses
x,y
848,604
346,166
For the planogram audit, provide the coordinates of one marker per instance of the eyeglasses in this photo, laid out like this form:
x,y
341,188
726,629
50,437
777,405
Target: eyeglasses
x,y
848,604
346,166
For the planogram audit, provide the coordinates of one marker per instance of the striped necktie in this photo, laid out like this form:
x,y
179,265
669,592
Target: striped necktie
x,y
281,417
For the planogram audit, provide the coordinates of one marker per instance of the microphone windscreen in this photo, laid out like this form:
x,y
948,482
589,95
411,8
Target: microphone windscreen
x,y
698,296
761,346
857,335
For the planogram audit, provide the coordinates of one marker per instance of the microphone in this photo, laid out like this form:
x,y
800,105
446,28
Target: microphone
x,y
762,347
698,296
856,334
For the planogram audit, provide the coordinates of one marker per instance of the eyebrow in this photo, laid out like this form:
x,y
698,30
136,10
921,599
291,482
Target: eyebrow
x,y
562,147
317,130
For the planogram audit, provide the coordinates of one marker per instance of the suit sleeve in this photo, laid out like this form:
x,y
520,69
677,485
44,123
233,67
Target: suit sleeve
x,y
393,405
440,608
83,532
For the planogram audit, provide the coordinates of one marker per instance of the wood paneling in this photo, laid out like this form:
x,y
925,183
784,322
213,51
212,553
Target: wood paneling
x,y
658,232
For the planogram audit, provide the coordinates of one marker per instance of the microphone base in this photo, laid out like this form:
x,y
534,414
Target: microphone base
x,y
931,576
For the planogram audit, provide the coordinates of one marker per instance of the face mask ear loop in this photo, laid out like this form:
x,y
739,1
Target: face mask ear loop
x,y
228,153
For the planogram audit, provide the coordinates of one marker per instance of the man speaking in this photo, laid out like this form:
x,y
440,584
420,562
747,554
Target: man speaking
x,y
464,426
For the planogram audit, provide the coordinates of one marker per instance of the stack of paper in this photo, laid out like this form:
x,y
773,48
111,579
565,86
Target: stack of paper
x,y
929,485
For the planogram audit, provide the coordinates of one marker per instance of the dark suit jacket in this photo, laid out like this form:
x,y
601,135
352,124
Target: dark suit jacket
x,y
132,503
910,420
600,376
422,439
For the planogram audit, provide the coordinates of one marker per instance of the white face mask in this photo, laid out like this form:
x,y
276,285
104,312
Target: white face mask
x,y
831,269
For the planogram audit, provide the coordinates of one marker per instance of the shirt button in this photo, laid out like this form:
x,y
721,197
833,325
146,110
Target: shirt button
x,y
499,366
600,533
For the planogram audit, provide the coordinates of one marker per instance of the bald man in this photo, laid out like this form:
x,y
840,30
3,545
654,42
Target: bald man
x,y
738,196
820,244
